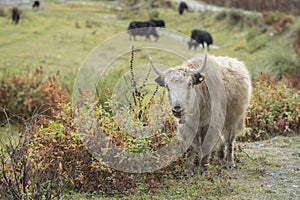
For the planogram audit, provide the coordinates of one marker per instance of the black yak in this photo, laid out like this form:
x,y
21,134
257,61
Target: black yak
x,y
182,6
200,37
15,15
146,29
36,4
159,23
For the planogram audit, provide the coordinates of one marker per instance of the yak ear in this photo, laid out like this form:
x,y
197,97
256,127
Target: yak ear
x,y
198,78
159,80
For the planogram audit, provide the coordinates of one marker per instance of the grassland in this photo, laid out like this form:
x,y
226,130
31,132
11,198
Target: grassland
x,y
60,36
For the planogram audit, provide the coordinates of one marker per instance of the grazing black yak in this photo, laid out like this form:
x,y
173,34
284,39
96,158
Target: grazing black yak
x,y
159,23
200,37
36,4
182,6
146,29
15,15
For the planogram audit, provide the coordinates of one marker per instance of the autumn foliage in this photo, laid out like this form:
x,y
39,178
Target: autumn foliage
x,y
259,5
274,110
30,93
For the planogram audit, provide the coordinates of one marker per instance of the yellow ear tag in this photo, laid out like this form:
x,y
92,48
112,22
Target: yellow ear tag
x,y
201,79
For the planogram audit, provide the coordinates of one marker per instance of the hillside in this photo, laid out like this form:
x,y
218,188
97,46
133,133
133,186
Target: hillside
x,y
290,7
74,30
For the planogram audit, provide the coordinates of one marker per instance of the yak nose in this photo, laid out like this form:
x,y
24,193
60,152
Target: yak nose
x,y
177,110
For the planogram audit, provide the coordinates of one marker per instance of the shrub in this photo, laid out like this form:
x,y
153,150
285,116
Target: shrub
x,y
252,34
23,95
53,159
296,43
256,43
294,78
275,110
282,63
22,177
271,17
2,12
221,15
153,14
252,19
235,16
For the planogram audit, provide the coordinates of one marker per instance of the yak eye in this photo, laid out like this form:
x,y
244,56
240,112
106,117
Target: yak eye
x,y
167,87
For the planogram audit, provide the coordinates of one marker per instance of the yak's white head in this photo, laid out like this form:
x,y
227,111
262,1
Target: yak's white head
x,y
180,84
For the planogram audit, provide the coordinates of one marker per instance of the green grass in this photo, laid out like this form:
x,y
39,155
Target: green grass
x,y
59,37
49,37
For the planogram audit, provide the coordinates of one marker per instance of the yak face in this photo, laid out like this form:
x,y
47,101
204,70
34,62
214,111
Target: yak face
x,y
192,43
180,83
152,31
181,91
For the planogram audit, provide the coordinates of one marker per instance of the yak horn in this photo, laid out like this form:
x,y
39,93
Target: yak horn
x,y
155,69
203,65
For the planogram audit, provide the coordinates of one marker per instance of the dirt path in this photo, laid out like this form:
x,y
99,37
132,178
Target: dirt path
x,y
273,169
197,6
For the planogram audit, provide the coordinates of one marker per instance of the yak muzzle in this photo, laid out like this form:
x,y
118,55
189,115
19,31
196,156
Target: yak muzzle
x,y
177,111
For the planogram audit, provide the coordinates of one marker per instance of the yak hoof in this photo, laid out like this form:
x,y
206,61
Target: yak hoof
x,y
202,169
188,173
201,172
230,166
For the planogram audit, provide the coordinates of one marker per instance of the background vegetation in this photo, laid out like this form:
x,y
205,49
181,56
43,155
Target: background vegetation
x,y
260,5
42,154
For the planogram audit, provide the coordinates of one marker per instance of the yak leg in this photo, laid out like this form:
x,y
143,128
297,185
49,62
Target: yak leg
x,y
230,153
221,152
190,160
203,164
130,37
226,151
147,37
203,159
202,45
229,145
194,151
226,148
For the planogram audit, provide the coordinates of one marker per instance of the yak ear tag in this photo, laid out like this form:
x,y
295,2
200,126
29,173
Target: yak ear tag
x,y
200,79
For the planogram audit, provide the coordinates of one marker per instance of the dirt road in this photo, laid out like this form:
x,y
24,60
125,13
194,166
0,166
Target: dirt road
x,y
197,6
